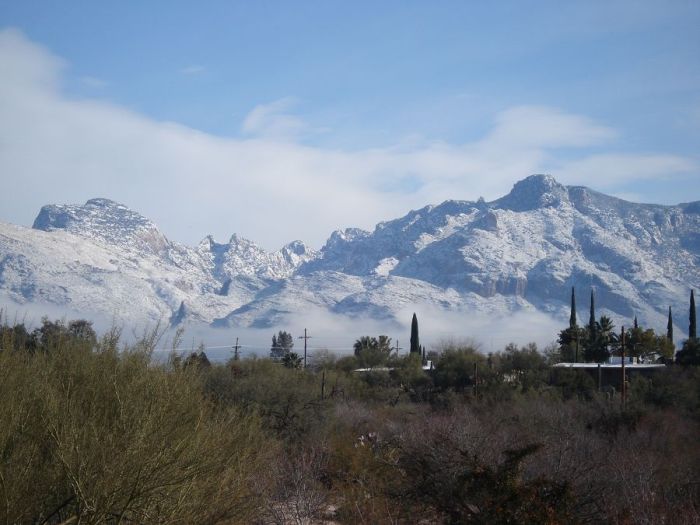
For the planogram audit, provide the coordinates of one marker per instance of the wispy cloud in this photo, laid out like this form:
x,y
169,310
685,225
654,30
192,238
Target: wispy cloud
x,y
194,69
545,127
609,170
274,120
269,185
94,82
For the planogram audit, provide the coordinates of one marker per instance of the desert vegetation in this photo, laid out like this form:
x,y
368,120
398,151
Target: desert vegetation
x,y
93,431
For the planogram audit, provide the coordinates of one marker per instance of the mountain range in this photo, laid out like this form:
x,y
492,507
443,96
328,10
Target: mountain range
x,y
522,252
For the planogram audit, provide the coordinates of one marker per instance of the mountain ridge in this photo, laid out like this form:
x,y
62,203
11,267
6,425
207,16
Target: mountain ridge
x,y
521,251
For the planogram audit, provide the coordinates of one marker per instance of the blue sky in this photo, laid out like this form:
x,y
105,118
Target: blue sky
x,y
321,109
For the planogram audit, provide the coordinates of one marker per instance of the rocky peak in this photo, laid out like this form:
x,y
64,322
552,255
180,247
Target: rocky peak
x,y
207,244
533,192
241,257
296,248
295,254
340,237
237,240
100,202
104,220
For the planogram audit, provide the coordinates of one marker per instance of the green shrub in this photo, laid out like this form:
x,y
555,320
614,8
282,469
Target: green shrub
x,y
102,437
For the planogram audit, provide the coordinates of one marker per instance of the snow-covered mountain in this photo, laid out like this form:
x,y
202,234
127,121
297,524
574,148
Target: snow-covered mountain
x,y
523,251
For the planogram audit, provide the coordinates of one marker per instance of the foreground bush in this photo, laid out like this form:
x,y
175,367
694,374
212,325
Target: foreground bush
x,y
100,437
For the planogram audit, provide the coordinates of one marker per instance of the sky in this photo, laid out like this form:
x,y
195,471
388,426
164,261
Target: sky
x,y
288,120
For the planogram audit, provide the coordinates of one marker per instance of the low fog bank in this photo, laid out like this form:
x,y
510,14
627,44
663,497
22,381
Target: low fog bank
x,y
327,331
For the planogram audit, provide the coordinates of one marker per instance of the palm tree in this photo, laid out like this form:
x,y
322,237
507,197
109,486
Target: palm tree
x,y
291,360
372,351
365,343
605,338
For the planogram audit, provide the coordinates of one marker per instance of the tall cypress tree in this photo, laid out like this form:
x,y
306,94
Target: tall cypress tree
x,y
572,319
669,326
692,328
415,343
591,319
591,342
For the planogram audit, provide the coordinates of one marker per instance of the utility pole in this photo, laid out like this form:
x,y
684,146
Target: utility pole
x,y
623,391
397,348
235,350
305,338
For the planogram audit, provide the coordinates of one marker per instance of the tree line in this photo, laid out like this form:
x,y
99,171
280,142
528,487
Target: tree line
x,y
598,339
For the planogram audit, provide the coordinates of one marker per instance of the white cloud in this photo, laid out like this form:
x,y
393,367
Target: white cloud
x,y
25,64
609,170
544,127
274,121
268,187
194,69
94,82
